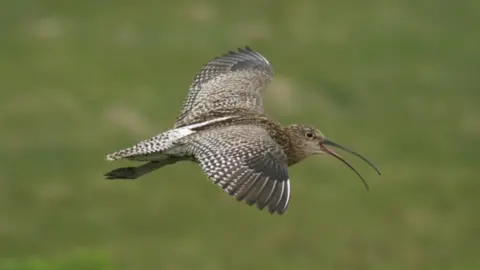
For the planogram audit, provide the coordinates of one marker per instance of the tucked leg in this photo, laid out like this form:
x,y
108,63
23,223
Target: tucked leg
x,y
135,172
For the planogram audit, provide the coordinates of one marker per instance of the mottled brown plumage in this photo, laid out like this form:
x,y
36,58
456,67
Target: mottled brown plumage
x,y
222,127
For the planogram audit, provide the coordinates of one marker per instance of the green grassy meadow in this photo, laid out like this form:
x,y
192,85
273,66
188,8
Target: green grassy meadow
x,y
397,81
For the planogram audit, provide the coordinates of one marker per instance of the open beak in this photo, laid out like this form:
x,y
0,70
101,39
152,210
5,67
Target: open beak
x,y
326,142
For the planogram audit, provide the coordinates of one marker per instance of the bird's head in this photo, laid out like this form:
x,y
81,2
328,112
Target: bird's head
x,y
308,141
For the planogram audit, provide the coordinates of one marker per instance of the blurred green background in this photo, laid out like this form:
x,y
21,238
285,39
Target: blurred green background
x,y
398,81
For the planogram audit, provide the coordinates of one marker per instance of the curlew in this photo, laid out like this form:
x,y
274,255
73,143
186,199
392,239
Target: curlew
x,y
222,127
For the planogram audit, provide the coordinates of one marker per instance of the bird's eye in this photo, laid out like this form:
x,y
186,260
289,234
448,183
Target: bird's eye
x,y
309,135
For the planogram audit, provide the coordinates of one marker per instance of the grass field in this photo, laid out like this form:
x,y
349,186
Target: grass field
x,y
397,81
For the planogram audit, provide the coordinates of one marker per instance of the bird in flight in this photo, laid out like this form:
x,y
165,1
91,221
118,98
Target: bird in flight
x,y
222,126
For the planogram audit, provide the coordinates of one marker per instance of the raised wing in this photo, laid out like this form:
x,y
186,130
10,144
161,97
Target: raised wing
x,y
234,80
246,163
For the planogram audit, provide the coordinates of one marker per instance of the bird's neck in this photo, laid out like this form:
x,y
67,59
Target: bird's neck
x,y
292,148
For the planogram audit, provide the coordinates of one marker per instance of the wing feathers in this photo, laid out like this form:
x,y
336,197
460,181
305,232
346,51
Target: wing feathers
x,y
234,80
246,163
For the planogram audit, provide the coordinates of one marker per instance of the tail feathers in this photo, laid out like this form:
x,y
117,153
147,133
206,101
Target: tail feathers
x,y
161,142
124,153
153,146
142,151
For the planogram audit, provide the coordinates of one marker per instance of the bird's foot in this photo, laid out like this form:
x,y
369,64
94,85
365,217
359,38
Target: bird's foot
x,y
122,173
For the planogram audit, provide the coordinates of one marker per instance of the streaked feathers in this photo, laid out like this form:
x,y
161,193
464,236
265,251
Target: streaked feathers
x,y
246,163
153,148
234,80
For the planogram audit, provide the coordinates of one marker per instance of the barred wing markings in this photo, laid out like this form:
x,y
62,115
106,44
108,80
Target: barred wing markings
x,y
246,163
234,80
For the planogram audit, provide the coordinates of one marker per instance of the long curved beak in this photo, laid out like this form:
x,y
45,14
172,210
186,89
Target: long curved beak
x,y
326,142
